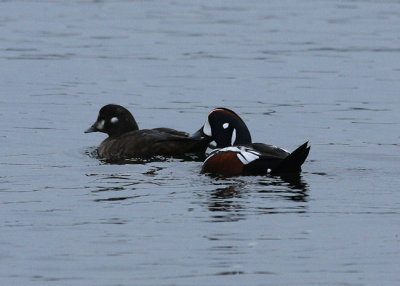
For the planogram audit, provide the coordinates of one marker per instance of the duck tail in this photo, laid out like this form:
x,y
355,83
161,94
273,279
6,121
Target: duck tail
x,y
293,162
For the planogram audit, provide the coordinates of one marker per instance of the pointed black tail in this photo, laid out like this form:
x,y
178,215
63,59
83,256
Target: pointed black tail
x,y
293,162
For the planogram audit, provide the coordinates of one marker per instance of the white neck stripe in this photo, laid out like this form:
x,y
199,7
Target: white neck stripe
x,y
233,138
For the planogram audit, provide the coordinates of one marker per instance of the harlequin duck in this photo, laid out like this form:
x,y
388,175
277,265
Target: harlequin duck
x,y
127,141
237,155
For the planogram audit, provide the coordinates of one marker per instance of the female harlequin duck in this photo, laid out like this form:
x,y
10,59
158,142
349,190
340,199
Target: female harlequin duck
x,y
237,155
127,141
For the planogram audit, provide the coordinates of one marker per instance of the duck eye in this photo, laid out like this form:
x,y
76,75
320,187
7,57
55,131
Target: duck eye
x,y
114,120
225,125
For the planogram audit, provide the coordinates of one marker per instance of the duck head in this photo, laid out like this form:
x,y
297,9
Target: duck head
x,y
224,127
114,120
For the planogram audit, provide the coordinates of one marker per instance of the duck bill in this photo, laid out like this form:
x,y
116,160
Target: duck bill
x,y
91,129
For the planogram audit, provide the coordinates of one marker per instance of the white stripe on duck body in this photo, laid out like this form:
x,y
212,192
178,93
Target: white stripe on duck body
x,y
235,154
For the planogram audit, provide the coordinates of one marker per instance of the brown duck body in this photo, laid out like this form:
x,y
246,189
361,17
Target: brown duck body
x,y
127,141
147,143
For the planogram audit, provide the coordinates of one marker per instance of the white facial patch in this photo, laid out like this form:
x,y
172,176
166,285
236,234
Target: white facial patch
x,y
100,125
207,128
225,125
233,138
114,120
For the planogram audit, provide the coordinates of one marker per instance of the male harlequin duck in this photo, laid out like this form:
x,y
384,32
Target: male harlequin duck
x,y
127,141
237,155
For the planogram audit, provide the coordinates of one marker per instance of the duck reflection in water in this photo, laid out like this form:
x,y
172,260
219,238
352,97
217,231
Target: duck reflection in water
x,y
226,203
234,202
297,188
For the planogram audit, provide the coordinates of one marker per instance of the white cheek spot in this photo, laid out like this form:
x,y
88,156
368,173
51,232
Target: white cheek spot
x,y
207,128
100,125
225,125
114,120
233,138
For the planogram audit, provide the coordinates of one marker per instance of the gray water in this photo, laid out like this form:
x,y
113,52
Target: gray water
x,y
323,71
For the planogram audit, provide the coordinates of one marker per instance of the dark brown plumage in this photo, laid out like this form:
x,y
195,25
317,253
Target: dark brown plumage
x,y
127,141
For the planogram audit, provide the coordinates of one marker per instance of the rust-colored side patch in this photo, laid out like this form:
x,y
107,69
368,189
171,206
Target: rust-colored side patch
x,y
225,163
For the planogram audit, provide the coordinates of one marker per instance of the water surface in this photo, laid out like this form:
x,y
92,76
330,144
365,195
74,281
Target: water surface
x,y
324,71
